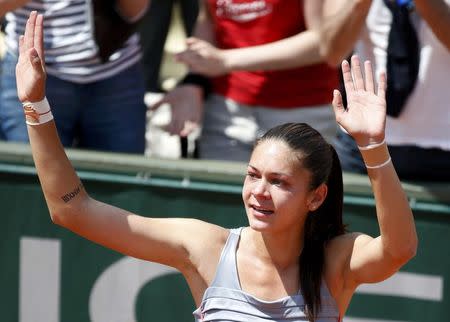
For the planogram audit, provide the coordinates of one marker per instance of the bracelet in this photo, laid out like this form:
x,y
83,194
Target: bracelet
x,y
37,113
379,165
371,146
199,80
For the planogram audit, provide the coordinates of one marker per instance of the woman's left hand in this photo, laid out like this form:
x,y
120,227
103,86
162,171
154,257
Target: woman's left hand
x,y
30,68
203,58
365,116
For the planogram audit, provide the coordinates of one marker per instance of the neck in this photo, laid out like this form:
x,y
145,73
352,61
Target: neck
x,y
281,249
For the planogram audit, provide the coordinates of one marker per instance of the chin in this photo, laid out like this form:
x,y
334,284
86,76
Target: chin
x,y
259,226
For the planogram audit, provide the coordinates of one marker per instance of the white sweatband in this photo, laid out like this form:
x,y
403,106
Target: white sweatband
x,y
37,113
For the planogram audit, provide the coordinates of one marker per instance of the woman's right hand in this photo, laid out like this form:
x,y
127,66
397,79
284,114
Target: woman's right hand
x,y
30,68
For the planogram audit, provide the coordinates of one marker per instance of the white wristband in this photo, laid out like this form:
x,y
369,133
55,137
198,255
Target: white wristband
x,y
379,165
371,146
37,113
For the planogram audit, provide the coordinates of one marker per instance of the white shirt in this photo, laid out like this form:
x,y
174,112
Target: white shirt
x,y
425,120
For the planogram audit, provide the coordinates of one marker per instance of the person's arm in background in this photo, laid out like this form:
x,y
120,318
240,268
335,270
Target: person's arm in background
x,y
10,5
340,33
187,99
339,23
437,15
204,28
132,10
299,50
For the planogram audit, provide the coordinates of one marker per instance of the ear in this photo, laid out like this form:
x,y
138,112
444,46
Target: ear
x,y
317,197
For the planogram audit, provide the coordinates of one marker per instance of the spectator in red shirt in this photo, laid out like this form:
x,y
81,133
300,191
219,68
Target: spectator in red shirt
x,y
252,66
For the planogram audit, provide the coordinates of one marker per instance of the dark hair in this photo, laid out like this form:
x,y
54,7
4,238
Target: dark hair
x,y
321,225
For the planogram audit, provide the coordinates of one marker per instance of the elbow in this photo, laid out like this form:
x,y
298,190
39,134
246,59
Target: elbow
x,y
411,249
334,61
409,253
66,215
54,216
330,56
404,254
332,52
60,216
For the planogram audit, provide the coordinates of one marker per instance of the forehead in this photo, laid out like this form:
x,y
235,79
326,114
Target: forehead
x,y
275,156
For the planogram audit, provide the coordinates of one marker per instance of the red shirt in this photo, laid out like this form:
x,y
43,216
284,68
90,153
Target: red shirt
x,y
244,23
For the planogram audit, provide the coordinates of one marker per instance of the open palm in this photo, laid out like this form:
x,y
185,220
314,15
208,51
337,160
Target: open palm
x,y
30,69
365,116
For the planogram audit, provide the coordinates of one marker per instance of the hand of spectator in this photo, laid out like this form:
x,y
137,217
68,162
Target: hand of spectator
x,y
365,116
203,58
30,68
186,103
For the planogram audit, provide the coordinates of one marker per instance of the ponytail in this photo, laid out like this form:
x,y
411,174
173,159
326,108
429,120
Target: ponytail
x,y
320,227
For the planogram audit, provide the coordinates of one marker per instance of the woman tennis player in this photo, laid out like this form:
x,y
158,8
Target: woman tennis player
x,y
294,261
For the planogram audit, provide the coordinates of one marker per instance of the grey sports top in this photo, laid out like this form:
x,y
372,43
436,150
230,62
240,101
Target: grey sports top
x,y
225,301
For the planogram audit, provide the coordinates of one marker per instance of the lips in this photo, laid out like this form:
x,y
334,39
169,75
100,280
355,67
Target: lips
x,y
261,210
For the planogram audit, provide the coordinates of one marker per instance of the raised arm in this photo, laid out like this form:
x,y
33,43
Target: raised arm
x,y
167,241
374,259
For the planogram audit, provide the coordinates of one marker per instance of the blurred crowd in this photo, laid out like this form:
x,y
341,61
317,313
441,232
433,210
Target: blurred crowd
x,y
242,67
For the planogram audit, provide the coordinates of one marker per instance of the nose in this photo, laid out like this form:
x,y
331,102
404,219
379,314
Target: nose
x,y
260,189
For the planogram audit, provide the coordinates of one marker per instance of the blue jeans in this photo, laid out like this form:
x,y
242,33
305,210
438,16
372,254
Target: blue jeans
x,y
106,115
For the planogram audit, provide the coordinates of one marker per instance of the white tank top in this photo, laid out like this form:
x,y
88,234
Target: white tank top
x,y
225,301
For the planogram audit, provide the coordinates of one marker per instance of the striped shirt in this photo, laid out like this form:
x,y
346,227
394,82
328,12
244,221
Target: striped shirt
x,y
71,52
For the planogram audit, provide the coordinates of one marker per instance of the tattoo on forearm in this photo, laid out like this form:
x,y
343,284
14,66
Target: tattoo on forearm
x,y
67,197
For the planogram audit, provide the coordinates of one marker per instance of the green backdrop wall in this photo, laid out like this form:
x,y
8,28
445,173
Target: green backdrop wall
x,y
48,274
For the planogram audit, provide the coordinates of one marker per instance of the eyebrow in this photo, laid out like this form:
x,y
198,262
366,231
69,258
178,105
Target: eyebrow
x,y
280,174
